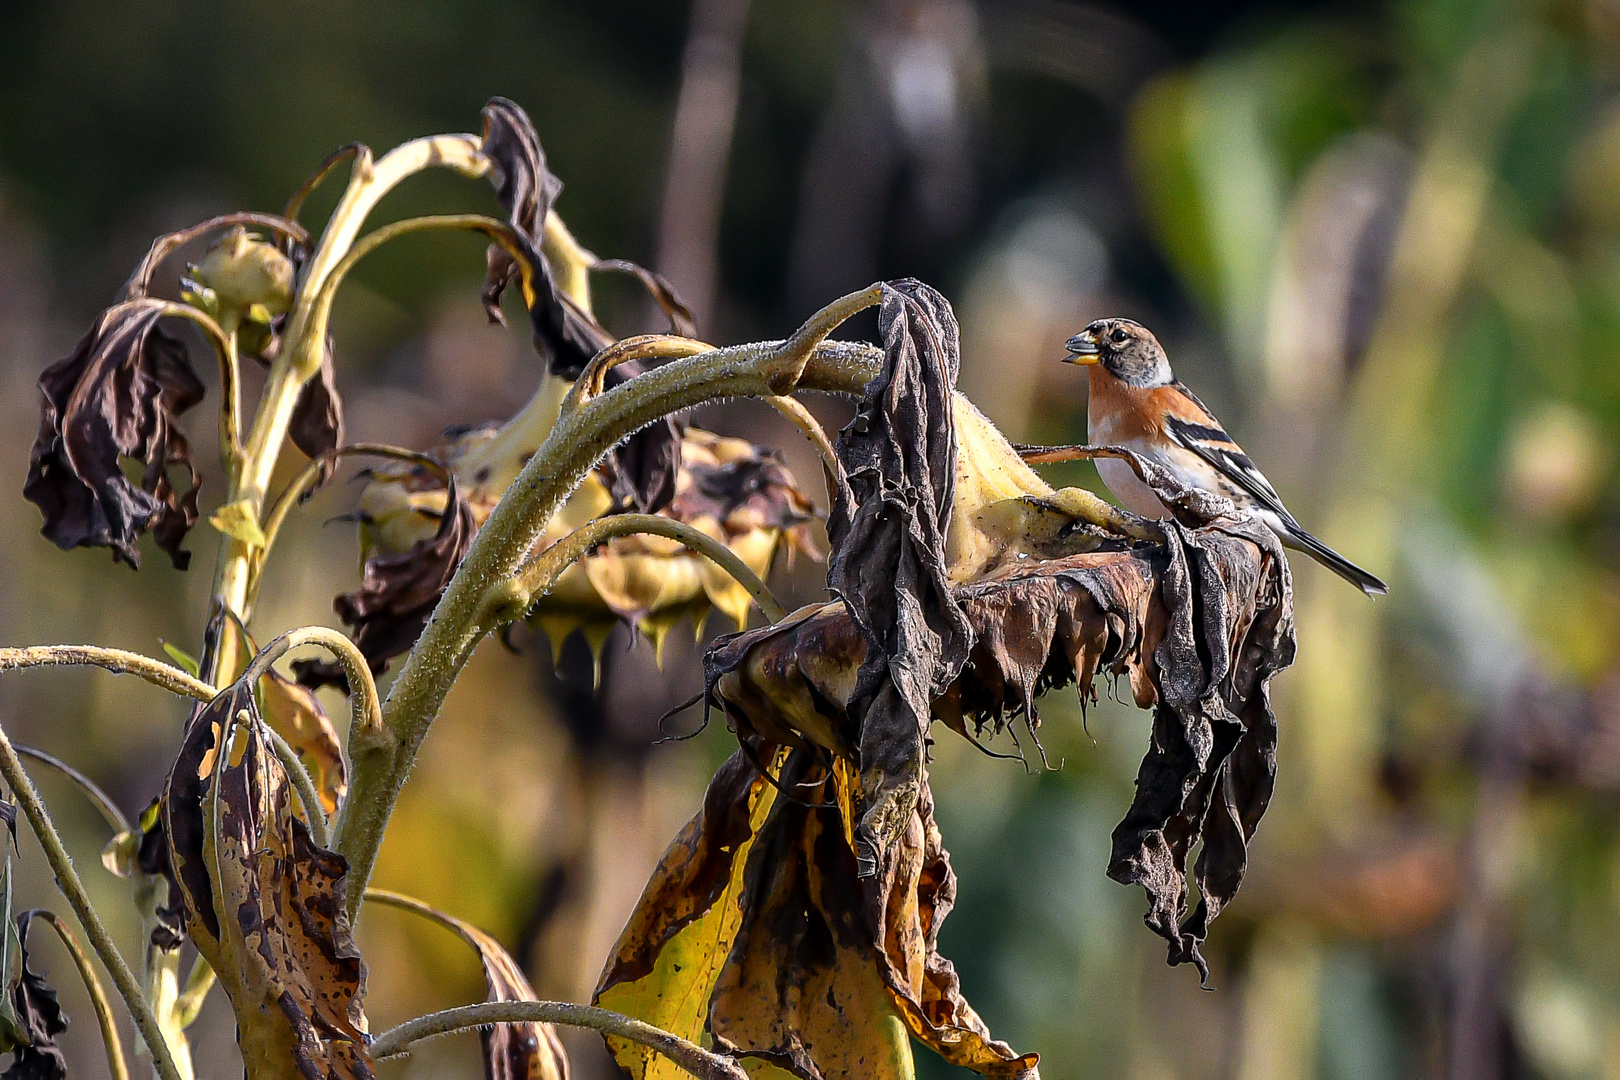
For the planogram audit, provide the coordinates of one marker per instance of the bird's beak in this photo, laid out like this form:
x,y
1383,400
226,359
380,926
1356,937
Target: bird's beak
x,y
1082,349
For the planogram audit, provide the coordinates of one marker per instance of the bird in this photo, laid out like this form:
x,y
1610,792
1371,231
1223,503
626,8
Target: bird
x,y
1138,403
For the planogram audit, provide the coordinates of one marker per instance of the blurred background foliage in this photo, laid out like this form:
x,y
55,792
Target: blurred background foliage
x,y
1381,239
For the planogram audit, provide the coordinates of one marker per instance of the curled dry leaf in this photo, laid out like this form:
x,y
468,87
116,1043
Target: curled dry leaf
x,y
887,530
529,1050
643,468
397,594
42,1019
263,904
316,426
294,713
117,396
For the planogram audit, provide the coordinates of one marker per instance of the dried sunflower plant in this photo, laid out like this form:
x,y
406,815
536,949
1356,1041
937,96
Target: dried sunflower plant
x,y
792,926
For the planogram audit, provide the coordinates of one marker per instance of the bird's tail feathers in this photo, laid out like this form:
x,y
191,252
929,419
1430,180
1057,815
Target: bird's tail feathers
x,y
1335,562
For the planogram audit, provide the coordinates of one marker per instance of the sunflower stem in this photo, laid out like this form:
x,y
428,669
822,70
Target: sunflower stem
x,y
67,880
576,443
689,1056
116,1065
116,661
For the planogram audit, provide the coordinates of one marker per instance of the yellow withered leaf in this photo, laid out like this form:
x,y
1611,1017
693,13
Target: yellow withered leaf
x,y
296,715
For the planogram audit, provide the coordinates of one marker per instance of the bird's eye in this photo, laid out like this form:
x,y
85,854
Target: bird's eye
x,y
1119,337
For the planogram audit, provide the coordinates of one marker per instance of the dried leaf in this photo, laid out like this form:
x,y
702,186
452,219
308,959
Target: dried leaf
x,y
643,467
316,426
564,336
529,1050
397,594
756,931
279,936
295,714
42,1019
888,528
118,395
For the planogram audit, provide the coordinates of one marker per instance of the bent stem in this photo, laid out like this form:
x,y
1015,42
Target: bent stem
x,y
98,994
109,811
365,717
116,661
576,443
689,1056
67,880
368,182
800,417
536,576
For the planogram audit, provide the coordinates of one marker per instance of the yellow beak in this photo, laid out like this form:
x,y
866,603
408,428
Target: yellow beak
x,y
1082,349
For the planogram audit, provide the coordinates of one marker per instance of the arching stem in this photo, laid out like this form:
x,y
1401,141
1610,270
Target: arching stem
x,y
694,1059
116,1064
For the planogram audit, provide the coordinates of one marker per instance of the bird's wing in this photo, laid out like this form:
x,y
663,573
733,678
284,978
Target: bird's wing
x,y
1195,428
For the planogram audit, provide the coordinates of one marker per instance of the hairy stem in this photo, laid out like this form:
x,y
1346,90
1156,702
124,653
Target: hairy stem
x,y
694,1059
539,573
98,995
577,442
366,717
67,880
116,661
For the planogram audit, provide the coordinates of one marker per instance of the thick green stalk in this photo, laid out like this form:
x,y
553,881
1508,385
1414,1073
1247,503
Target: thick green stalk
x,y
578,441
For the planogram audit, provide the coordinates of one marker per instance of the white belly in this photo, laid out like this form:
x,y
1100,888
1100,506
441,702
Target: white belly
x,y
1132,494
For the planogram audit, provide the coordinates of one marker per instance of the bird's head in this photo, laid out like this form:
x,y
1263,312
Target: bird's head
x,y
1125,349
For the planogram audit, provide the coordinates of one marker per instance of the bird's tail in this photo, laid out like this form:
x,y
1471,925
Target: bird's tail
x,y
1355,575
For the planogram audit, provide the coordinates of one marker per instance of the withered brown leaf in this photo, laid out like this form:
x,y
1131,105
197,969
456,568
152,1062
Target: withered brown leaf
x,y
42,1019
316,426
799,961
564,336
280,941
294,713
528,1050
397,594
643,468
887,529
117,396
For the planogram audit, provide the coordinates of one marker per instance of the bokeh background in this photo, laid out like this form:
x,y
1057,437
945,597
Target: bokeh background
x,y
1382,240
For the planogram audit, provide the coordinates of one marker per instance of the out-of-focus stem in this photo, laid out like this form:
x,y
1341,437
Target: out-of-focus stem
x,y
570,261
67,880
109,811
800,417
98,995
368,182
